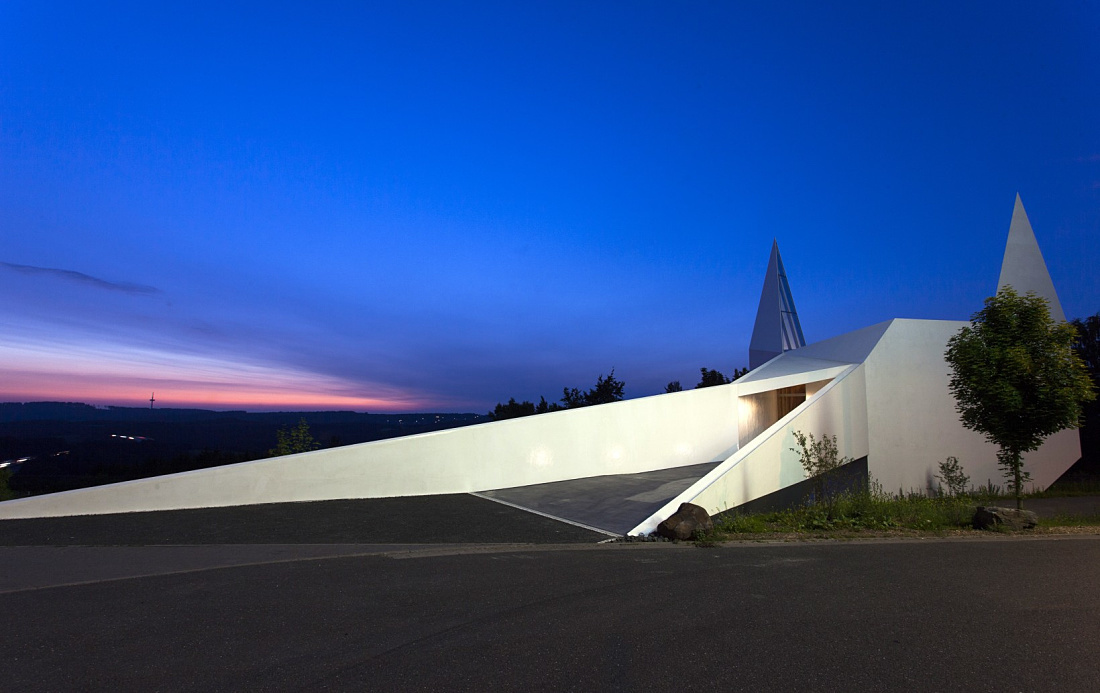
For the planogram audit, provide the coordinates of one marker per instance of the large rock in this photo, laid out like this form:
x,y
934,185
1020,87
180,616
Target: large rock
x,y
685,523
1004,518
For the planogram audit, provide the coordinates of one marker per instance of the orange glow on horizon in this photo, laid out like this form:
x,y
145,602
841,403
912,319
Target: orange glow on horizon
x,y
175,397
126,379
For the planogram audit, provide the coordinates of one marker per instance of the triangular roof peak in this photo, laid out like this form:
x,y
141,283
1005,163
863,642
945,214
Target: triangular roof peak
x,y
1023,267
777,328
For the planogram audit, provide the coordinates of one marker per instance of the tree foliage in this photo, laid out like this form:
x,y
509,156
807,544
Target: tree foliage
x,y
297,439
818,456
1016,377
1087,344
5,491
953,477
607,389
674,386
710,378
1087,347
513,409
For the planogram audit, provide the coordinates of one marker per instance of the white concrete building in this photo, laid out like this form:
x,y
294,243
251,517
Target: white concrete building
x,y
882,391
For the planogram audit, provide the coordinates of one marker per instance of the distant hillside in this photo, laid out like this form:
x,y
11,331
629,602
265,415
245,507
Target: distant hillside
x,y
77,411
55,446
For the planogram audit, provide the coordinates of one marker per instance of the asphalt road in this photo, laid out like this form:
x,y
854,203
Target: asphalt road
x,y
454,518
930,615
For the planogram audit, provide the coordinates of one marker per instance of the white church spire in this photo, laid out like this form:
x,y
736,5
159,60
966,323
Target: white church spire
x,y
1023,267
777,328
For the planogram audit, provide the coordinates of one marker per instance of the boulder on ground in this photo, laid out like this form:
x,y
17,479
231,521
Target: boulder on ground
x,y
685,523
1006,518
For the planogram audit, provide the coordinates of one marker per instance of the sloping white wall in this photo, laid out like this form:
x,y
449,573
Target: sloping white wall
x,y
636,435
768,463
913,422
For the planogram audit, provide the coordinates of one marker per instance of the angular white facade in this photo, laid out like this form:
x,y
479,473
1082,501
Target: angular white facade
x,y
882,391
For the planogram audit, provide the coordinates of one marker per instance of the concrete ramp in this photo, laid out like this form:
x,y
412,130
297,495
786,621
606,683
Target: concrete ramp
x,y
613,504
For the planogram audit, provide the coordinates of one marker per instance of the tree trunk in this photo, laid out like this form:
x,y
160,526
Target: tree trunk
x,y
1016,474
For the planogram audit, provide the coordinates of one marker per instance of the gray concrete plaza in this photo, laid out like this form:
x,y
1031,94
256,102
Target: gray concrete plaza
x,y
614,503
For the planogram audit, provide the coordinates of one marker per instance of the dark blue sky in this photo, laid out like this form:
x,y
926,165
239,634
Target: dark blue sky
x,y
414,206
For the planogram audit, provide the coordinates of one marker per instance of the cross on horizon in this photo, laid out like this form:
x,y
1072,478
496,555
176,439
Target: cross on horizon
x,y
151,399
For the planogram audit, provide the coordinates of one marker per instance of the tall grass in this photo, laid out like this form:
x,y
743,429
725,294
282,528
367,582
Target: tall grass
x,y
1069,488
869,508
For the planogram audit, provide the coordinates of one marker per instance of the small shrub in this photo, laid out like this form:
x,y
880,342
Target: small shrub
x,y
951,475
990,491
294,441
818,456
5,491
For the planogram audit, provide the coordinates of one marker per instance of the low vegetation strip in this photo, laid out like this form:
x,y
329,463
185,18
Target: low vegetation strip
x,y
872,513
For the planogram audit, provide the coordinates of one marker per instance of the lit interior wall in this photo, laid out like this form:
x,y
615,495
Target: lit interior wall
x,y
758,411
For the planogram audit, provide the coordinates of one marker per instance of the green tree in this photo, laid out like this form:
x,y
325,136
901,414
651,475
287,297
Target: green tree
x,y
674,386
543,406
1087,347
5,491
1087,344
297,439
711,378
608,389
513,409
1016,378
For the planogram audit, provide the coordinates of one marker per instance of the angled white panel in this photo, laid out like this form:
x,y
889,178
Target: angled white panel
x,y
849,348
1023,267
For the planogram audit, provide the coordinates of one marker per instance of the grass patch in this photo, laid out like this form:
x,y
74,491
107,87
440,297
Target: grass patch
x,y
866,510
871,511
1069,489
1070,521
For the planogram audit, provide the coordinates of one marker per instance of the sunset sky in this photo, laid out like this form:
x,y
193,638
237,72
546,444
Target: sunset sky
x,y
410,206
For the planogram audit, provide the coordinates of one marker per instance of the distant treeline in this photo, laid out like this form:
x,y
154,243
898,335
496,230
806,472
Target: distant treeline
x,y
606,390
